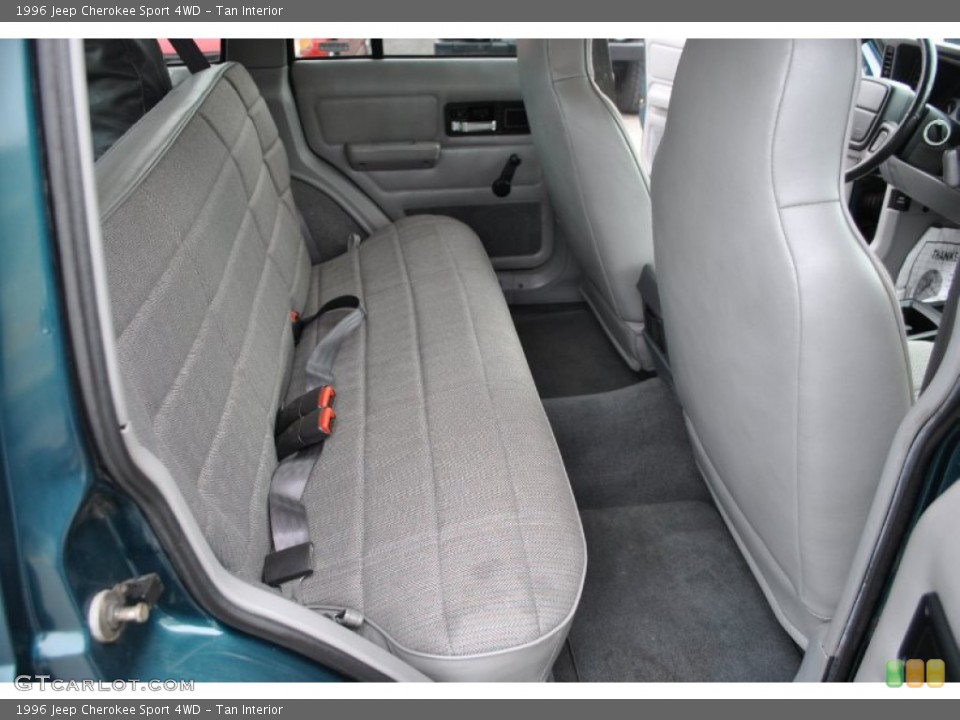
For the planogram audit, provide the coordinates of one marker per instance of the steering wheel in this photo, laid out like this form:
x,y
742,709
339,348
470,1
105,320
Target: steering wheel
x,y
900,111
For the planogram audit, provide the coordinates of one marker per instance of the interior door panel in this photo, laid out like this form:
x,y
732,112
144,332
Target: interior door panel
x,y
928,576
420,134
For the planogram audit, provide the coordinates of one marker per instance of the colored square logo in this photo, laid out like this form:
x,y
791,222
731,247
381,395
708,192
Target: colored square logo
x,y
914,673
936,673
894,673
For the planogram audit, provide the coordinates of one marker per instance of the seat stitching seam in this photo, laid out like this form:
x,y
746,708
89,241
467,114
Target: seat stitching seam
x,y
267,242
213,321
238,372
809,203
181,247
232,146
204,322
496,425
107,210
363,436
424,413
185,247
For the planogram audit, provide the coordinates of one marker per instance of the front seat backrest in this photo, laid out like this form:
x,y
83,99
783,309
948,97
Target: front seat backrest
x,y
595,183
125,79
784,334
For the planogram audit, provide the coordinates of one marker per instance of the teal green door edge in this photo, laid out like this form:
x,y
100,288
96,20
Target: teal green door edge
x,y
66,532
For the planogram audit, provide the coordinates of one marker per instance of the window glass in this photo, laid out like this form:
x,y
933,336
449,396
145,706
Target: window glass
x,y
210,47
331,47
403,47
463,47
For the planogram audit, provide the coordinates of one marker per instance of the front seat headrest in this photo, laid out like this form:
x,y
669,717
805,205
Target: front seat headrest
x,y
125,79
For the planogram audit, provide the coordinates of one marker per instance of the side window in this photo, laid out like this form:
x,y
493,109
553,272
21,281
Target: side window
x,y
331,47
212,48
403,47
461,47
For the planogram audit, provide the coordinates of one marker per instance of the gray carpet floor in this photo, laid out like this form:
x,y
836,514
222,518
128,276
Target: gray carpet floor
x,y
668,596
568,352
626,447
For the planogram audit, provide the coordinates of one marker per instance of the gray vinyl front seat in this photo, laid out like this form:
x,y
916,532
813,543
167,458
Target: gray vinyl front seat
x,y
596,186
784,335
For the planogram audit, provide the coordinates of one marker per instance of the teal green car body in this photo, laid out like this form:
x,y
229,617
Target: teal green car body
x,y
65,532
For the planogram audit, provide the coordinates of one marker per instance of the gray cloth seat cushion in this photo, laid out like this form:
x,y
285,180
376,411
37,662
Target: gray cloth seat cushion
x,y
440,507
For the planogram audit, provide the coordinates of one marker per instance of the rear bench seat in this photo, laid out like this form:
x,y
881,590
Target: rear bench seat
x,y
440,508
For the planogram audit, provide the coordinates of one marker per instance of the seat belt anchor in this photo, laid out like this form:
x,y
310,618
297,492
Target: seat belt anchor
x,y
291,563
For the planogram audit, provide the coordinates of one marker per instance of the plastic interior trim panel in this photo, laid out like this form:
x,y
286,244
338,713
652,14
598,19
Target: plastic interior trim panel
x,y
914,447
395,100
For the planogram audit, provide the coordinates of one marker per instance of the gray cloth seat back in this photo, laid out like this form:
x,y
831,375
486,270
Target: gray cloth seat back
x,y
205,261
785,336
596,186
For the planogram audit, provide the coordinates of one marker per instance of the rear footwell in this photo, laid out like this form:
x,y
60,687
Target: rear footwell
x,y
668,596
568,351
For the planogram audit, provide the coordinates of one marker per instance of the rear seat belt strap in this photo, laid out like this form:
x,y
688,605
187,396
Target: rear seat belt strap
x,y
320,364
191,54
341,302
292,556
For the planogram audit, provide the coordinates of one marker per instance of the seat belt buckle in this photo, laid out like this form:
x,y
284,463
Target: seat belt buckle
x,y
322,428
326,396
292,563
307,431
316,399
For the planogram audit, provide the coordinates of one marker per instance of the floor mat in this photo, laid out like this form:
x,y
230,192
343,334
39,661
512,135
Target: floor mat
x,y
568,352
668,598
668,595
626,447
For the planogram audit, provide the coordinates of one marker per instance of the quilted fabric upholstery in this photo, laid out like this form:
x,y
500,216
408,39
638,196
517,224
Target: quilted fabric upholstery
x,y
204,263
440,508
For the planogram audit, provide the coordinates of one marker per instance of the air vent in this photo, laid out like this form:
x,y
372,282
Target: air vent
x,y
887,70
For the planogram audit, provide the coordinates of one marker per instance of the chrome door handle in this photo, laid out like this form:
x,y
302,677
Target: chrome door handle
x,y
465,126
